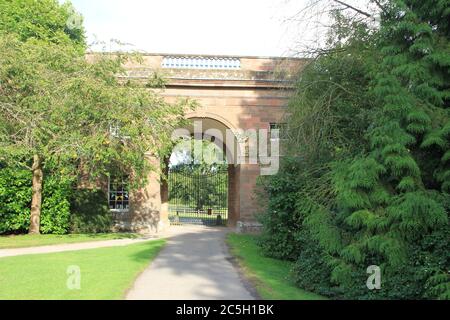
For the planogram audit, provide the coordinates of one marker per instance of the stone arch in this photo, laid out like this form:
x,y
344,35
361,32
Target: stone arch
x,y
209,120
253,96
203,114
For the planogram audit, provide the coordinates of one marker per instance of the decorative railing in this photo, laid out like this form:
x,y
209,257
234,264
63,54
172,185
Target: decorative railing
x,y
198,62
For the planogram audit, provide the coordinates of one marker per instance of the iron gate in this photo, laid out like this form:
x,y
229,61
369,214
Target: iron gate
x,y
198,196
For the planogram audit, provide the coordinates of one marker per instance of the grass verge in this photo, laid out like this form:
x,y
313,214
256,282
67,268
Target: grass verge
x,y
269,276
106,273
22,241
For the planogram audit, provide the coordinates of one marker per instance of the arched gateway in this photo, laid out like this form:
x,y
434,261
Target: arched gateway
x,y
235,94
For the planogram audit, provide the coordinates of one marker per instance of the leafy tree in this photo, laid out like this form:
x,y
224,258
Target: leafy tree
x,y
384,198
369,139
58,109
45,20
73,116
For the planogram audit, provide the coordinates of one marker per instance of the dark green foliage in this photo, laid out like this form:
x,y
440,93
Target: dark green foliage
x,y
372,183
15,196
280,226
311,271
90,212
55,205
64,209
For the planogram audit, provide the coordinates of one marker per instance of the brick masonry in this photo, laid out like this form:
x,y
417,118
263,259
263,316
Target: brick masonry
x,y
250,97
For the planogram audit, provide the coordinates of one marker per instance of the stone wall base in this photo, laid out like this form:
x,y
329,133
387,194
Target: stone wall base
x,y
248,227
141,227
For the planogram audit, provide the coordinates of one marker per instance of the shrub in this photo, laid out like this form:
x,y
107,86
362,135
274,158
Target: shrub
x,y
15,197
63,210
90,212
15,202
56,205
311,271
279,221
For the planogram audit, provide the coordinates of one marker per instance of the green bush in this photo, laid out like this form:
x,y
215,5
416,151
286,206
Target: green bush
x,y
280,222
90,212
311,271
288,235
63,209
55,213
15,200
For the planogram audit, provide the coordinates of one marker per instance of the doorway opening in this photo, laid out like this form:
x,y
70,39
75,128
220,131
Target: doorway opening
x,y
198,184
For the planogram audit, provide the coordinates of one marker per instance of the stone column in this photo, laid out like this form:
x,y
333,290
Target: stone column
x,y
247,185
233,195
145,204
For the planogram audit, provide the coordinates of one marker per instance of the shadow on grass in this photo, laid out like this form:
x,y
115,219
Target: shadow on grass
x,y
152,248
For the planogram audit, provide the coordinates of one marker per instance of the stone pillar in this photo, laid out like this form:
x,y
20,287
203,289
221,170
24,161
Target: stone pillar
x,y
248,205
233,195
145,204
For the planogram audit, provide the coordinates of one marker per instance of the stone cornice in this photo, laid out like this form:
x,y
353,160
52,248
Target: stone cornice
x,y
217,71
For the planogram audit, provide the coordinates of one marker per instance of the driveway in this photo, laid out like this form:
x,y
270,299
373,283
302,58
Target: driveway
x,y
194,265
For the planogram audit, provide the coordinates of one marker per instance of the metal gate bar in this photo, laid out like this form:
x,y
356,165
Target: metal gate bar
x,y
199,198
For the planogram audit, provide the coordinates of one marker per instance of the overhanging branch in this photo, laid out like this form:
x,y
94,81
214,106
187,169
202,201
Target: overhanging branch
x,y
353,8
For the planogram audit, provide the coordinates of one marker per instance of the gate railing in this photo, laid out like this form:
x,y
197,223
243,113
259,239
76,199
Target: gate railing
x,y
198,198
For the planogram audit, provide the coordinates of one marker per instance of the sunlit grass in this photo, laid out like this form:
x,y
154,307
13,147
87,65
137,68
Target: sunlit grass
x,y
106,273
22,241
269,276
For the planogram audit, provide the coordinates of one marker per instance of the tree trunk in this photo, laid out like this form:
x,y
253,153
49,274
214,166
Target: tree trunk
x,y
36,201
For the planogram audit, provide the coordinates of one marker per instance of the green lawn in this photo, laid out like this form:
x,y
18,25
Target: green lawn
x,y
22,241
269,276
106,273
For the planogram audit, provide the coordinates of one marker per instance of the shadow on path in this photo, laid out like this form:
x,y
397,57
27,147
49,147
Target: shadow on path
x,y
194,265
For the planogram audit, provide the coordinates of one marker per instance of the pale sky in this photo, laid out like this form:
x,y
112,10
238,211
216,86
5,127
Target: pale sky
x,y
232,27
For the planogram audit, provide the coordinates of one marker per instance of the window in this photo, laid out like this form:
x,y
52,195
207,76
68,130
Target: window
x,y
279,137
281,133
118,194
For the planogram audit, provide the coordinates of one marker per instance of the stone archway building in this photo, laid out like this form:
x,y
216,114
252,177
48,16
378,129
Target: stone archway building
x,y
232,93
